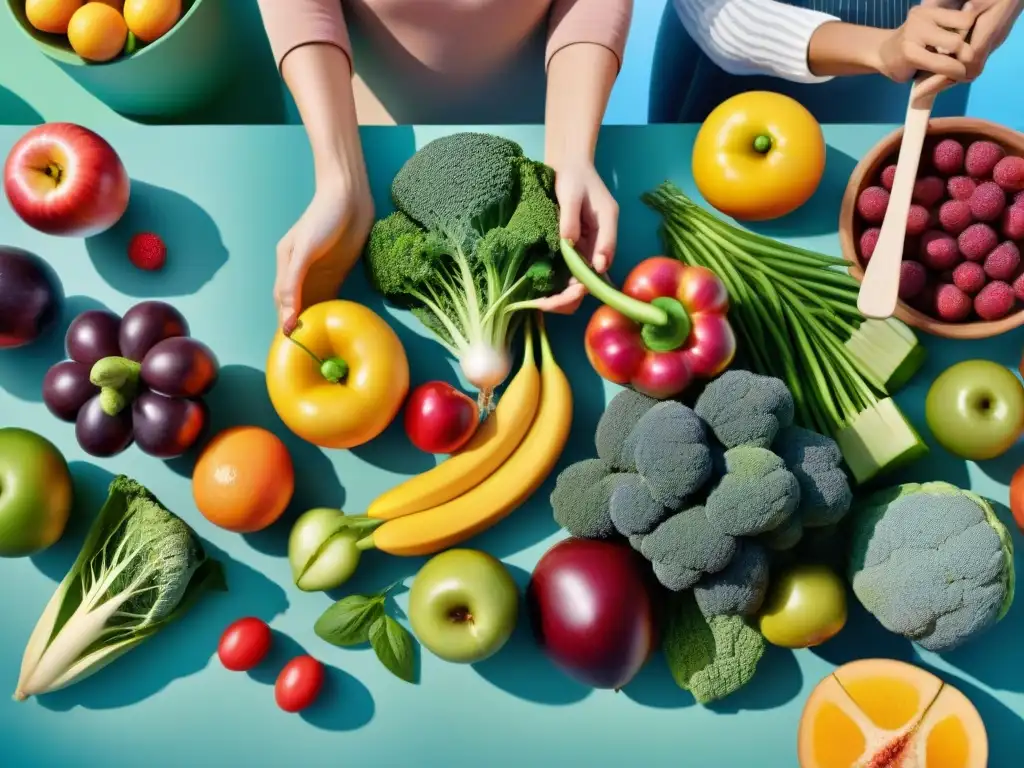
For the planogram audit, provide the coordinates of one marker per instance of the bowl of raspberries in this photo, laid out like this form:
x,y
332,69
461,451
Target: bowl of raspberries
x,y
962,274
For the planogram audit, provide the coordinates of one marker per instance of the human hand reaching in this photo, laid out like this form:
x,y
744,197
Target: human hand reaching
x,y
993,21
317,253
590,219
930,40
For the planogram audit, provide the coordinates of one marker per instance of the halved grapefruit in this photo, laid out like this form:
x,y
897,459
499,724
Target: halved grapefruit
x,y
880,713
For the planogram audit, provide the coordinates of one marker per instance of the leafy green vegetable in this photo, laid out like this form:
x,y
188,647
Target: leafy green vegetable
x,y
358,619
394,647
348,621
140,568
473,240
710,658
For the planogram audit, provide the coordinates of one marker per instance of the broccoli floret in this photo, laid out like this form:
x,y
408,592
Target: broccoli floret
x,y
757,493
932,562
685,547
633,509
622,414
474,240
670,451
710,658
816,462
580,499
636,541
740,587
744,408
785,536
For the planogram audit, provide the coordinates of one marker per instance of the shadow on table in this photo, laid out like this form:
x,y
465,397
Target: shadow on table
x,y
195,251
522,669
16,111
344,703
183,647
819,215
22,370
240,399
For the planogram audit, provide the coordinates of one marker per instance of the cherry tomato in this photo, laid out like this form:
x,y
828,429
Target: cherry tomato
x,y
244,644
1017,498
299,683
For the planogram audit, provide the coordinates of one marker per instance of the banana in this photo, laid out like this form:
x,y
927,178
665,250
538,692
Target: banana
x,y
487,450
454,521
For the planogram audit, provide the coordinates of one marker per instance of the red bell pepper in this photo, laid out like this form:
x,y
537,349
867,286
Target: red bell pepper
x,y
667,326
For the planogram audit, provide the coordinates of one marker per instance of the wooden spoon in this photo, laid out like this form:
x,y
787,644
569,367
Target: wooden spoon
x,y
879,290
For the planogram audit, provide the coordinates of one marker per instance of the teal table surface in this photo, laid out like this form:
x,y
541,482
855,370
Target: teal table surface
x,y
222,197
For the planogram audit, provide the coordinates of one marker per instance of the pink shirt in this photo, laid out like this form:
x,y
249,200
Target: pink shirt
x,y
424,46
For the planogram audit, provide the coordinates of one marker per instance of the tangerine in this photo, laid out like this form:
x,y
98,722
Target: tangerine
x,y
243,480
51,15
150,20
97,32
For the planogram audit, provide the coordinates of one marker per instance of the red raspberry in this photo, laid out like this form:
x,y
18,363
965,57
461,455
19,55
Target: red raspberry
x,y
939,251
1013,222
929,191
868,241
952,304
1018,287
977,241
961,187
969,277
955,216
888,176
913,278
918,219
995,301
987,202
1002,261
1009,173
948,157
981,158
147,251
871,204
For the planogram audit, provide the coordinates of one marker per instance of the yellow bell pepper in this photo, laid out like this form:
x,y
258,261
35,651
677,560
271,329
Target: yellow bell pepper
x,y
340,378
758,156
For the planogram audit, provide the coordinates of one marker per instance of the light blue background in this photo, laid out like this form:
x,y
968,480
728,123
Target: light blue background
x,y
222,197
37,87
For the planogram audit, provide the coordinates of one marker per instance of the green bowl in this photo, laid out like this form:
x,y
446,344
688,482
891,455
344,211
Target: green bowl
x,y
183,70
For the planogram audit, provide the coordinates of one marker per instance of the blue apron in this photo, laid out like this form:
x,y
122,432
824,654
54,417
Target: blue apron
x,y
858,99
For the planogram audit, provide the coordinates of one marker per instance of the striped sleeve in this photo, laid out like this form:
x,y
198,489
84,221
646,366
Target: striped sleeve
x,y
754,37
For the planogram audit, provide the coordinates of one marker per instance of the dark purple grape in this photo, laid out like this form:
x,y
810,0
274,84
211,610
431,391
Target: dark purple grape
x,y
66,388
147,323
92,336
166,426
180,367
102,435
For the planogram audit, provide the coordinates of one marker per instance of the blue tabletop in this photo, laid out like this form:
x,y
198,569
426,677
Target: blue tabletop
x,y
222,197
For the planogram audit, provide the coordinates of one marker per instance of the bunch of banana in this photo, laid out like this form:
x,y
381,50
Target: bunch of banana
x,y
509,457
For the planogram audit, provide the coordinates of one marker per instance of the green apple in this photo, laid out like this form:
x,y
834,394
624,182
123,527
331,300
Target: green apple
x,y
322,549
35,493
805,606
463,605
975,409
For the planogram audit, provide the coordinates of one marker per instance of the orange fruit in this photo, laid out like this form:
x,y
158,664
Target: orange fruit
x,y
243,480
880,712
97,32
150,20
51,15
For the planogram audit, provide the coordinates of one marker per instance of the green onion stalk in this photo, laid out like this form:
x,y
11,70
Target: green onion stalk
x,y
795,312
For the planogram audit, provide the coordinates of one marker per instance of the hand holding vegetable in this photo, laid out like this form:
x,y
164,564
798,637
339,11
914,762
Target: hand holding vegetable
x,y
665,328
137,377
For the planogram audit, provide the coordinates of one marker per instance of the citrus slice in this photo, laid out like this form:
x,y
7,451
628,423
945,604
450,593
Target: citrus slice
x,y
880,713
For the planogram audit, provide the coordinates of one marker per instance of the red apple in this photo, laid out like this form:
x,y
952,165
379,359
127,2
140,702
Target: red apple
x,y
63,179
439,418
591,610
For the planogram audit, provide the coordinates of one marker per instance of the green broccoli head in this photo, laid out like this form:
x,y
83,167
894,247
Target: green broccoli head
x,y
685,547
670,451
740,587
784,537
622,414
581,497
817,463
709,657
400,255
634,510
464,179
744,408
932,562
757,493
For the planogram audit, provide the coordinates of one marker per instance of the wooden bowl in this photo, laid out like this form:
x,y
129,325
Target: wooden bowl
x,y
966,129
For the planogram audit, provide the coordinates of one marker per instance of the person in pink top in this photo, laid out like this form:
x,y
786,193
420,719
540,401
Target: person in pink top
x,y
437,51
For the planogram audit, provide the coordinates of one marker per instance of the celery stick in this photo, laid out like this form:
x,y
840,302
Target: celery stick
x,y
889,350
878,441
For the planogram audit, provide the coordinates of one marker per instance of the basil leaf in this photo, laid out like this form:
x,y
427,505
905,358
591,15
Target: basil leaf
x,y
393,645
348,621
